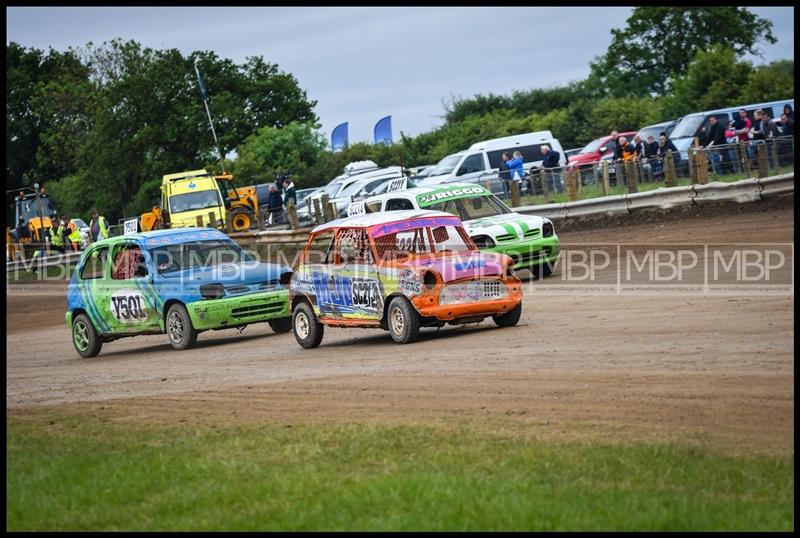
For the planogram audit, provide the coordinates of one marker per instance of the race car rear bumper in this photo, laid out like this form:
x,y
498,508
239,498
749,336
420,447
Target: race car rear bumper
x,y
237,311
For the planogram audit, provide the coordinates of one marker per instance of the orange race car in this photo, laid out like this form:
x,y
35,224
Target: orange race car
x,y
399,271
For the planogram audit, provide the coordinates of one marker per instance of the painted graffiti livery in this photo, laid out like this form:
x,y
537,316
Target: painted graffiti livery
x,y
399,271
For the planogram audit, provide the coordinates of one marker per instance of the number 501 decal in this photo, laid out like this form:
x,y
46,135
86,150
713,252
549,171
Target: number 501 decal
x,y
128,306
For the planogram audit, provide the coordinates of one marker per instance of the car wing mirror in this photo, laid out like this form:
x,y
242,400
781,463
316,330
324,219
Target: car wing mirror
x,y
603,149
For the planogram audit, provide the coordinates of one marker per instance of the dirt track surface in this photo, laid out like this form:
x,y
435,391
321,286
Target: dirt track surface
x,y
580,365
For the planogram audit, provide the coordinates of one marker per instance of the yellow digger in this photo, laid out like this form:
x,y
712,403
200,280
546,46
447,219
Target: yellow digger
x,y
33,210
185,196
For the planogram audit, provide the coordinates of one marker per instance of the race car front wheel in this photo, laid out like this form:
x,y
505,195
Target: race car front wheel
x,y
403,321
308,330
282,325
181,332
85,339
510,318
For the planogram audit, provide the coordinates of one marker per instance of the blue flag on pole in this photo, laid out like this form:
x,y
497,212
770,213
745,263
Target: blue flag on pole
x,y
203,93
383,131
339,137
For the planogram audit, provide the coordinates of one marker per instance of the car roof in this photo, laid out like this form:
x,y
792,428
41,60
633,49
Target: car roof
x,y
415,191
371,219
176,235
746,107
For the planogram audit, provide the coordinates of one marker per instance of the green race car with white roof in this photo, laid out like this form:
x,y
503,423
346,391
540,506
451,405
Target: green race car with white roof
x,y
531,241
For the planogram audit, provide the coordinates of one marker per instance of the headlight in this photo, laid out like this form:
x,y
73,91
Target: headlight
x,y
212,291
483,241
547,229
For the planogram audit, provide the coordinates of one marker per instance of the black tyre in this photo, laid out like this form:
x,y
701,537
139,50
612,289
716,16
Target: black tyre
x,y
85,339
282,325
403,321
180,331
308,331
510,318
541,271
242,219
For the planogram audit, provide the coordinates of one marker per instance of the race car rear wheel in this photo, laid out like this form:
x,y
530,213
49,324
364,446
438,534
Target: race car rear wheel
x,y
282,325
181,332
308,330
510,318
85,339
403,321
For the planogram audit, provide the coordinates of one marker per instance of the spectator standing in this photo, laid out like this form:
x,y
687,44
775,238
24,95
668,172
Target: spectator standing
x,y
763,129
275,205
716,137
665,145
615,139
289,192
787,109
515,168
785,145
98,227
741,127
58,235
504,174
651,156
550,163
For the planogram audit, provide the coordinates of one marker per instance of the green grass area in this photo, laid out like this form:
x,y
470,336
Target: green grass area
x,y
87,473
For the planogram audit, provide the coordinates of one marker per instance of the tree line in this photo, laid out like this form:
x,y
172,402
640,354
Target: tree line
x,y
100,125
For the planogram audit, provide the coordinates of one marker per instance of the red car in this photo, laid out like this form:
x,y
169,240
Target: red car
x,y
586,160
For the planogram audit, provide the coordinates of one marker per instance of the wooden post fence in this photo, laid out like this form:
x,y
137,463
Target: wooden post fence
x,y
515,193
762,160
606,176
670,177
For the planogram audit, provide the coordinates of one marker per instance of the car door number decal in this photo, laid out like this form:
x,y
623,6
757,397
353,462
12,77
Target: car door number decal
x,y
128,306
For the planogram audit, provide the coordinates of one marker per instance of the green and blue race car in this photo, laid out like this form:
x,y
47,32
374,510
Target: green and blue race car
x,y
529,240
178,282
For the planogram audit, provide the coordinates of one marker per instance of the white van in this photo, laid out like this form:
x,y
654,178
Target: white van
x,y
483,158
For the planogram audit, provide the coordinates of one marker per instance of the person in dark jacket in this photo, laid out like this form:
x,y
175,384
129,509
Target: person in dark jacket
x,y
503,173
275,206
787,109
289,192
715,136
617,145
550,163
785,144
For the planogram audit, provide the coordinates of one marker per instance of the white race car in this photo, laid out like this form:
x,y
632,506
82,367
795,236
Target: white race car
x,y
531,241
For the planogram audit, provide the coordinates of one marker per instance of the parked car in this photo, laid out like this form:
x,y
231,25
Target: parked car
x,y
482,159
529,240
343,191
399,271
587,160
656,129
180,282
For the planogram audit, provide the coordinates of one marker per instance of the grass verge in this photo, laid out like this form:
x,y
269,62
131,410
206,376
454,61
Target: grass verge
x,y
88,473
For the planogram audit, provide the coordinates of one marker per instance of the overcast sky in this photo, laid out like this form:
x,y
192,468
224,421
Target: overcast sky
x,y
361,64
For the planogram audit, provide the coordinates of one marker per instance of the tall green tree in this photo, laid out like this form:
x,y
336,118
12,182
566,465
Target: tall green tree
x,y
49,100
715,79
293,148
658,43
148,119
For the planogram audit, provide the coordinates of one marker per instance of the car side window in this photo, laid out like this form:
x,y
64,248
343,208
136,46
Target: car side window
x,y
319,250
128,263
473,163
399,204
374,207
352,247
95,264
